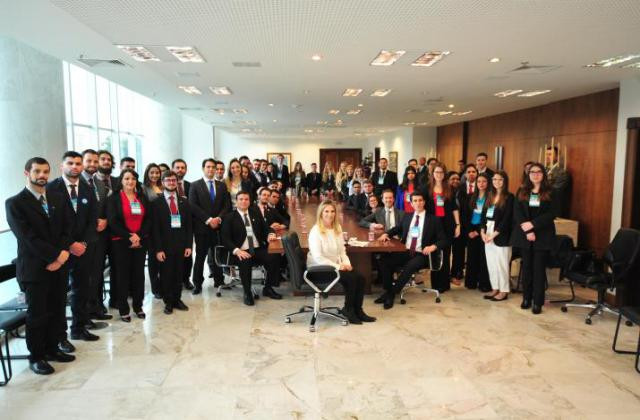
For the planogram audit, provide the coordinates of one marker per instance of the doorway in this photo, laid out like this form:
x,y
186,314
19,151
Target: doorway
x,y
335,156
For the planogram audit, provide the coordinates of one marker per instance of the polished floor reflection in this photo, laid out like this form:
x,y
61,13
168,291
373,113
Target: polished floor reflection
x,y
462,358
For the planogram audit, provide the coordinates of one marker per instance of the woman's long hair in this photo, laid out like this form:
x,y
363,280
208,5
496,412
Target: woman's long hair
x,y
335,226
328,170
502,195
145,178
446,189
476,192
527,186
405,179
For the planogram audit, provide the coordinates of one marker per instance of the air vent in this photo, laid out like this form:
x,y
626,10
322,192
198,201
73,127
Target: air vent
x,y
94,62
246,64
434,100
187,75
527,68
190,109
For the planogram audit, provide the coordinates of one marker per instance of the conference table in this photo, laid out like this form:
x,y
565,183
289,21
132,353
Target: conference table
x,y
303,212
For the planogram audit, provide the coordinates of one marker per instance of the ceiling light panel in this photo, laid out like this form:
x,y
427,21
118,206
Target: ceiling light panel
x,y
380,92
387,58
186,54
613,61
461,113
632,66
240,111
191,90
534,93
334,111
354,111
220,90
506,93
138,52
430,58
351,92
444,113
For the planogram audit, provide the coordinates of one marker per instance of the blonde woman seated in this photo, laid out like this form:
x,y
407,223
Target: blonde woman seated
x,y
326,247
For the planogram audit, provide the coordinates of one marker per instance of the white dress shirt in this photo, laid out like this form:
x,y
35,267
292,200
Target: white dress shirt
x,y
326,248
245,244
422,215
168,194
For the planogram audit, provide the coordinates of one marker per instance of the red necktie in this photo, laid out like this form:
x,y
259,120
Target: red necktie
x,y
470,190
172,205
414,241
181,189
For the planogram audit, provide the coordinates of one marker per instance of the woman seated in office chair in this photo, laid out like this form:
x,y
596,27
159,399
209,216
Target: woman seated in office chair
x,y
326,247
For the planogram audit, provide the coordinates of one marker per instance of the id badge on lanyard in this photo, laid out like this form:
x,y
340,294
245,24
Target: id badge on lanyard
x,y
249,231
414,232
534,200
380,180
490,211
74,204
478,208
176,222
439,201
135,208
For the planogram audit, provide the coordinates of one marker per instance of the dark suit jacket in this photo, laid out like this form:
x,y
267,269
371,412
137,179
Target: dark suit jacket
x,y
86,217
186,186
272,215
101,193
41,238
448,221
379,217
115,217
284,176
432,231
390,181
357,202
313,181
503,221
165,238
234,232
202,207
543,225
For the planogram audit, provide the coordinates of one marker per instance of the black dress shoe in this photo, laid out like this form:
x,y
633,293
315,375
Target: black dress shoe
x,y
388,301
90,325
181,306
66,347
537,309
471,286
493,299
350,314
84,335
270,293
188,285
140,314
125,318
102,316
157,295
61,357
168,309
526,304
248,299
381,299
41,367
364,317
196,290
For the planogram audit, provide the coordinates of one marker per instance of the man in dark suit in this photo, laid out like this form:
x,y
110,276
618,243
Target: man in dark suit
x,y
247,237
42,223
357,201
258,179
96,250
210,201
179,166
422,234
125,163
173,239
282,172
277,204
271,216
386,217
81,200
313,181
383,178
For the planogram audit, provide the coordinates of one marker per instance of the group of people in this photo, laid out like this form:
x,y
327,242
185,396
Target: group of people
x,y
68,228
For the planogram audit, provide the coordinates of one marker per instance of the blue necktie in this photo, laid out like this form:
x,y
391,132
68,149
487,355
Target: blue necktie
x,y
212,191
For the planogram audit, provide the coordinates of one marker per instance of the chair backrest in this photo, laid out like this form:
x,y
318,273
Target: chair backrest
x,y
295,258
623,255
7,272
559,256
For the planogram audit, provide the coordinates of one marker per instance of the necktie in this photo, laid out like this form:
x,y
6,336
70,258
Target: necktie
x,y
172,205
43,203
249,237
470,189
93,187
387,222
180,189
212,191
74,197
414,241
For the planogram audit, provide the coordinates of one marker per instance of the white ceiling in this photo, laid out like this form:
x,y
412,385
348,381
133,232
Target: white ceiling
x,y
283,34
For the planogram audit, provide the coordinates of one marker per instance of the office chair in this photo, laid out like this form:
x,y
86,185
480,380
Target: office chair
x,y
412,283
320,279
231,272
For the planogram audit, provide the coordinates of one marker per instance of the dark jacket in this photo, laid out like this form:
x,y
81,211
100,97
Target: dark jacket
x,y
379,217
432,232
313,181
503,221
357,202
272,215
283,176
234,232
165,238
201,206
390,181
85,219
543,225
115,217
450,205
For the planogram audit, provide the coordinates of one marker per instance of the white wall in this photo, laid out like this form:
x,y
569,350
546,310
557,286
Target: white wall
x,y
629,106
424,141
163,142
400,141
197,144
32,114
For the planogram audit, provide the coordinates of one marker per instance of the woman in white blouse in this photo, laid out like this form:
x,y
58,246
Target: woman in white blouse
x,y
326,247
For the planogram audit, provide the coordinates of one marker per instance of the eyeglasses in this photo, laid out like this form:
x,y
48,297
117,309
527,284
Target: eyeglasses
x,y
170,180
535,172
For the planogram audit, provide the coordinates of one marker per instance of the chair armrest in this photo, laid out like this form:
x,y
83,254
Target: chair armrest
x,y
321,269
221,256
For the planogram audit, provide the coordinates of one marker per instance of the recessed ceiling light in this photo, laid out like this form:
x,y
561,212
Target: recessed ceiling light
x,y
380,92
250,122
387,58
353,111
220,90
246,130
409,123
360,105
138,52
422,123
632,66
462,113
322,122
444,112
534,93
334,111
275,120
191,90
506,93
219,110
316,57
351,92
240,111
608,62
308,130
380,131
430,58
494,60
306,91
272,105
186,54
451,106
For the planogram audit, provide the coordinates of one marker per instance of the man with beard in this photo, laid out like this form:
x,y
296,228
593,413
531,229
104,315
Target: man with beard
x,y
96,251
42,223
179,167
125,163
82,202
271,216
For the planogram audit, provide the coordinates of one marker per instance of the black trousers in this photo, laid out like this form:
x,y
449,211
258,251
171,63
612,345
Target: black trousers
x,y
261,256
458,248
153,267
477,275
204,243
352,283
171,277
534,274
409,265
79,282
440,279
113,275
96,255
130,272
46,307
186,271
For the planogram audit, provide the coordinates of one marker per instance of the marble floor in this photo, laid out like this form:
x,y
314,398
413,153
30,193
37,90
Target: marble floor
x,y
462,358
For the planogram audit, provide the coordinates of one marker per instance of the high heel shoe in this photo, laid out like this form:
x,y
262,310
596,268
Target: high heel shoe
x,y
493,299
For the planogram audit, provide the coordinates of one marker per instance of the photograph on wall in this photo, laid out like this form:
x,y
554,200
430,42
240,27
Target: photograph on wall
x,y
393,161
273,158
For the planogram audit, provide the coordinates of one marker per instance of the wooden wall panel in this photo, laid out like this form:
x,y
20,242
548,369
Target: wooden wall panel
x,y
449,145
587,125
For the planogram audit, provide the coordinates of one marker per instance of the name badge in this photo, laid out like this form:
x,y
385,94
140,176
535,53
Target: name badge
x,y
74,204
439,201
135,208
380,180
249,230
478,209
297,179
415,231
176,222
534,200
45,207
490,211
407,197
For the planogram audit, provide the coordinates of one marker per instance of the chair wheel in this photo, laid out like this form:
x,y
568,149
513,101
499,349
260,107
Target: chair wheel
x,y
563,309
345,323
403,301
256,296
287,320
218,294
312,329
628,323
438,300
587,321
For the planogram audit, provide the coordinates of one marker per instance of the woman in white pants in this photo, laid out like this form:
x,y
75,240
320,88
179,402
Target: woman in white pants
x,y
497,223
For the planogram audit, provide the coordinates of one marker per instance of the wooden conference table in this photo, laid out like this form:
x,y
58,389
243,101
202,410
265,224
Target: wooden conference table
x,y
303,217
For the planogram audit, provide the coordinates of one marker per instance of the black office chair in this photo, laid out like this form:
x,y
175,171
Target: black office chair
x,y
320,279
601,274
435,264
231,272
632,314
13,316
559,258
